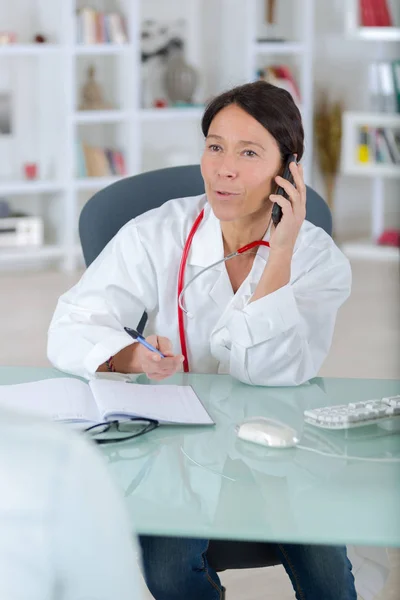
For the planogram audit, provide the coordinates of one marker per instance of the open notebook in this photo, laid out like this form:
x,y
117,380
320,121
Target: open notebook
x,y
74,401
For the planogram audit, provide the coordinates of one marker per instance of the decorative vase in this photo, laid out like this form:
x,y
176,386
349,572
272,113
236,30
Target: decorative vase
x,y
180,77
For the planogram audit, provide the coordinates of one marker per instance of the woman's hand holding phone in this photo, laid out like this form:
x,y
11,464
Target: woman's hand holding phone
x,y
293,208
284,234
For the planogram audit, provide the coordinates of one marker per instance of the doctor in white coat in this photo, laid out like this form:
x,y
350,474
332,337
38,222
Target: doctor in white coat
x,y
265,316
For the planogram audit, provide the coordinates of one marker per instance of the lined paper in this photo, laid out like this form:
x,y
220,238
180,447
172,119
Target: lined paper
x,y
165,403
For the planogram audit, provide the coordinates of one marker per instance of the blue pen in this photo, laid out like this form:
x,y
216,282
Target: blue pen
x,y
136,336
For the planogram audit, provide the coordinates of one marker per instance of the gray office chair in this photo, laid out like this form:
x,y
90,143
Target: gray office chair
x,y
109,209
102,217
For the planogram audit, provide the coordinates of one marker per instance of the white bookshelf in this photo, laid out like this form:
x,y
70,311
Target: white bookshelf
x,y
356,31
30,187
127,118
376,34
377,173
298,47
352,121
100,116
102,49
165,114
30,49
277,48
50,75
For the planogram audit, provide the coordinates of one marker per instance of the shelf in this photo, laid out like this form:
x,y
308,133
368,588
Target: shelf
x,y
29,49
102,48
372,170
278,47
29,187
352,121
377,34
365,249
373,119
89,183
100,116
29,253
165,114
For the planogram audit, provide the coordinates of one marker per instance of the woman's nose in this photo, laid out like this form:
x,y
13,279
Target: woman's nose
x,y
227,167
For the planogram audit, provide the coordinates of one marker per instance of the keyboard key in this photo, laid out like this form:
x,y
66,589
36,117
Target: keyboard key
x,y
355,405
352,418
392,400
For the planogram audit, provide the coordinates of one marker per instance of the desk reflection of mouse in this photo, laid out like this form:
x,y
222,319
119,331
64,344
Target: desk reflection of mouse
x,y
268,432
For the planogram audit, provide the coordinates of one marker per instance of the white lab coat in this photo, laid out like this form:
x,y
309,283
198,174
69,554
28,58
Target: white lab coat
x,y
280,339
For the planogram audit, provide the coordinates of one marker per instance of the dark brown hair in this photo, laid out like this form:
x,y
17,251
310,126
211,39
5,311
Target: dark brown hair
x,y
271,106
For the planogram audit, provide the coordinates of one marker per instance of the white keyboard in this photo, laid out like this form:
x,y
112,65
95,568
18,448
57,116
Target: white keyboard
x,y
355,414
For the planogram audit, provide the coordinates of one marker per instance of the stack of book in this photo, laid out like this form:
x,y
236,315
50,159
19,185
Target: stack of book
x,y
281,76
375,13
99,162
378,145
94,27
384,86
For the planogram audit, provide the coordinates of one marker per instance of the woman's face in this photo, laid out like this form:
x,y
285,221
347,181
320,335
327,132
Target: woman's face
x,y
239,163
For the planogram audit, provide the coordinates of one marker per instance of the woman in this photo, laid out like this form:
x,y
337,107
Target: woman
x,y
265,318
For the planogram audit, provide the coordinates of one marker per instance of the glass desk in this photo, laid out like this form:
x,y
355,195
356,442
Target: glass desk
x,y
205,482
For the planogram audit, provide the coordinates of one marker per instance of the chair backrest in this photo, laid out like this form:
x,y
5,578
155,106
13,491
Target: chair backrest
x,y
109,209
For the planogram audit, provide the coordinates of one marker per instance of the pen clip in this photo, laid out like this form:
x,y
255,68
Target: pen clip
x,y
132,332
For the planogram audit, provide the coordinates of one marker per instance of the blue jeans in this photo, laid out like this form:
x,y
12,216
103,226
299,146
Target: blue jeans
x,y
177,569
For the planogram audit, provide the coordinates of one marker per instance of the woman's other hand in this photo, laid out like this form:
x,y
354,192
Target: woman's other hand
x,y
285,233
136,358
152,364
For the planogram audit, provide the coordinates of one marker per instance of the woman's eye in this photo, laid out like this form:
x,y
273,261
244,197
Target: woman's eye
x,y
214,147
250,153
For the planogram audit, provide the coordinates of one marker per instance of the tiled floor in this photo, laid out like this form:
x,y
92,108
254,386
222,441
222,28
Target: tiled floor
x,y
366,344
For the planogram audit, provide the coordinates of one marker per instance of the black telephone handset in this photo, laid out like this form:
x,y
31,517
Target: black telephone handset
x,y
276,209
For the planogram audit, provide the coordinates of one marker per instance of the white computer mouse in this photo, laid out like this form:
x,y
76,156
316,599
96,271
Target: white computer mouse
x,y
268,432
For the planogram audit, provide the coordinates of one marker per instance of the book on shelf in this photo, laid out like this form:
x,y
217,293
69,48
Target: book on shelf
x,y
95,27
99,162
375,13
378,145
396,80
281,76
384,86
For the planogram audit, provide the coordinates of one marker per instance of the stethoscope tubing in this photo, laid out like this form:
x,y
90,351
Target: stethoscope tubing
x,y
181,280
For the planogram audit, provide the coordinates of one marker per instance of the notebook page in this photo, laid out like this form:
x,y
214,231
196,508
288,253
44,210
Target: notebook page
x,y
165,403
60,399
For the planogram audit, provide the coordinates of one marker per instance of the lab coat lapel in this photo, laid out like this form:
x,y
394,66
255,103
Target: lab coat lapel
x,y
249,285
221,292
207,248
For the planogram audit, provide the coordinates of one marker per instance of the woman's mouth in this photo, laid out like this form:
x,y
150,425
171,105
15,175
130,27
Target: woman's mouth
x,y
225,194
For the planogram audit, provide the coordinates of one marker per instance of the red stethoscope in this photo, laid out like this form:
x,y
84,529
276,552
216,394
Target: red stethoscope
x,y
181,280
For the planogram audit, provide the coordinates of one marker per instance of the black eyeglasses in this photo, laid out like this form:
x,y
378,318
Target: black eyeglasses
x,y
119,431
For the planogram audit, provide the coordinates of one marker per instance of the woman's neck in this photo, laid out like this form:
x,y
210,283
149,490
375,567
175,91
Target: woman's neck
x,y
237,234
